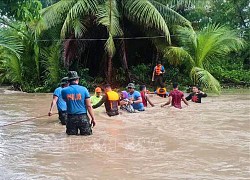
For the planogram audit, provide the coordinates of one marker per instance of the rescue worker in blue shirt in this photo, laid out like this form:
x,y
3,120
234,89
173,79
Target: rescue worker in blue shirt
x,y
135,98
58,100
78,104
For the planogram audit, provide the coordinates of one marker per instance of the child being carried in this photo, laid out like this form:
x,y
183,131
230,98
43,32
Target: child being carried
x,y
124,102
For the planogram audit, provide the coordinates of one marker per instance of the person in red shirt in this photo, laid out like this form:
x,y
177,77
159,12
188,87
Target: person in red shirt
x,y
144,96
175,97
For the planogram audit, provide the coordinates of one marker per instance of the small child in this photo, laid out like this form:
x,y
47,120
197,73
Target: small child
x,y
144,96
124,102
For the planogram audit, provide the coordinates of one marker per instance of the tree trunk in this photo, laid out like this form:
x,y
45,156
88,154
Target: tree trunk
x,y
125,62
109,69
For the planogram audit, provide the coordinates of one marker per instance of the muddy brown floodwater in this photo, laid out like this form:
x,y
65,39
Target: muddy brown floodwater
x,y
204,141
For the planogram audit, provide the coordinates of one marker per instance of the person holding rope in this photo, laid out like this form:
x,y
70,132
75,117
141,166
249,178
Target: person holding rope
x,y
145,97
58,100
196,95
78,103
110,100
135,98
175,98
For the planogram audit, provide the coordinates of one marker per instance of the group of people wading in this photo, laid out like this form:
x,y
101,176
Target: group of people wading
x,y
75,105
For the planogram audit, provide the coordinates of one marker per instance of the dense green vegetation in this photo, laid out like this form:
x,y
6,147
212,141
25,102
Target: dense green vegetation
x,y
205,43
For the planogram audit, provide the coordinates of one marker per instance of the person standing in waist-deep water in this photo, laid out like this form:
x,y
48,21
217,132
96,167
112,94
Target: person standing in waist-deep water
x,y
144,96
97,96
124,102
175,97
135,98
110,100
157,76
58,100
162,92
78,104
196,95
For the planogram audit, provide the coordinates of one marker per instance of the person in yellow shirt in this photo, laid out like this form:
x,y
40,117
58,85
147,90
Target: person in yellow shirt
x,y
97,97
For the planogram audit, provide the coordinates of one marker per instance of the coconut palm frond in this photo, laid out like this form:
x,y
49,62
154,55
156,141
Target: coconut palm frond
x,y
177,55
204,78
169,15
187,38
110,46
215,42
79,28
52,56
144,12
108,16
10,42
78,11
55,13
12,68
177,3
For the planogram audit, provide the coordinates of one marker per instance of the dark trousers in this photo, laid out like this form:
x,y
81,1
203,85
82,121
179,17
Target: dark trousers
x,y
112,113
63,117
158,81
80,122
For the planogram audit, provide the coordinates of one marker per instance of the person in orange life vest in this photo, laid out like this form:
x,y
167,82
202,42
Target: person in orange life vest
x,y
175,98
78,103
110,100
162,92
157,76
144,96
196,95
58,100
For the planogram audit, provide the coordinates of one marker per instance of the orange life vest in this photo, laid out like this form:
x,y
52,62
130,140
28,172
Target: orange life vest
x,y
112,101
161,91
158,70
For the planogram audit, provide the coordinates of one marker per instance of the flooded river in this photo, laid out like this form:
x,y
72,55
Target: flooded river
x,y
204,141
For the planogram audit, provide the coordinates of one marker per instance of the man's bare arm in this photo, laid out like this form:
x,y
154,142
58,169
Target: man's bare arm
x,y
184,100
149,101
169,101
53,103
90,111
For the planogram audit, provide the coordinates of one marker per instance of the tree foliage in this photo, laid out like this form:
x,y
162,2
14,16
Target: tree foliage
x,y
203,50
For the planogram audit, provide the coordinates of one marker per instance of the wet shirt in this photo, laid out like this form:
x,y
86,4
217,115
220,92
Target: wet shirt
x,y
75,97
61,104
94,99
196,97
134,97
176,98
144,100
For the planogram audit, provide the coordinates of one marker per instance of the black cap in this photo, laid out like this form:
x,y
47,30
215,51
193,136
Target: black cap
x,y
72,75
64,81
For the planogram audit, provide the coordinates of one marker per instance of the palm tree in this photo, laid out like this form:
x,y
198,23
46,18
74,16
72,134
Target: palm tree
x,y
203,50
10,50
11,43
149,14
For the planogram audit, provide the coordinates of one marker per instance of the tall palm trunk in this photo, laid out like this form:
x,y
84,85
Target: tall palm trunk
x,y
109,69
125,62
